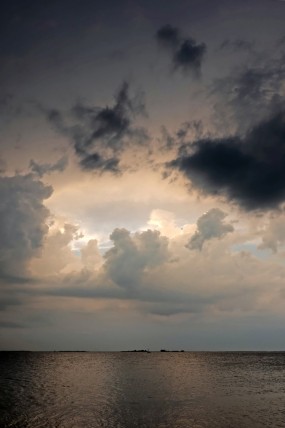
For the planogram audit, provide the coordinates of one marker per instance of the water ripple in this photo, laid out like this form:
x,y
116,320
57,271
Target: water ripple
x,y
135,390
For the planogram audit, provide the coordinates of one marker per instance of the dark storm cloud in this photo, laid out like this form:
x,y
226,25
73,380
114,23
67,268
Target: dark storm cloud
x,y
100,135
186,54
249,170
22,223
210,225
41,169
189,56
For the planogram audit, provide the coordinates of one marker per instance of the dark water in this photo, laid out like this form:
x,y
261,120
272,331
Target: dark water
x,y
125,390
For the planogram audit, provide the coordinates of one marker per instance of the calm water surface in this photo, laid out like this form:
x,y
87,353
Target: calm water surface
x,y
122,390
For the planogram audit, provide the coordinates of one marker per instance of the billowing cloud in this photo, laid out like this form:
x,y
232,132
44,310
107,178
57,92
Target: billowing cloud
x,y
56,255
90,255
210,225
186,54
131,255
99,135
159,277
248,170
22,222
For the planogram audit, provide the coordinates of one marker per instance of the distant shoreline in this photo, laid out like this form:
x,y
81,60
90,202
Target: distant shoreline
x,y
145,351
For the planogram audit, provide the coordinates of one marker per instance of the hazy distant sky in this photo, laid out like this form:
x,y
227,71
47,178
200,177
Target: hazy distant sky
x,y
142,174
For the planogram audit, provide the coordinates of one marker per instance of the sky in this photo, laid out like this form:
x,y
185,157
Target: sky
x,y
142,175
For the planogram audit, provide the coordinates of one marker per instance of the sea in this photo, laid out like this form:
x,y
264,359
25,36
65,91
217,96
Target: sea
x,y
139,389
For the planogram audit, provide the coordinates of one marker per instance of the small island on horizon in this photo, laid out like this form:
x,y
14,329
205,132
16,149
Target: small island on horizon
x,y
148,351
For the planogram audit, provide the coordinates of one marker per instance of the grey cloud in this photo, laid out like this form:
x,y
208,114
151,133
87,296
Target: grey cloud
x,y
132,255
248,170
122,271
188,131
22,222
168,36
41,169
153,298
193,304
237,45
95,162
210,225
186,54
7,301
2,166
99,135
189,56
249,94
138,269
281,42
10,107
11,324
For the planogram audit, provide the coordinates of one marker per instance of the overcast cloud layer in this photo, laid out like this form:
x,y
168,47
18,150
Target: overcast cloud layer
x,y
142,175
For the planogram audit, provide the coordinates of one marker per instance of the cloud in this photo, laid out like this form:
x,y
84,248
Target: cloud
x,y
42,169
186,54
10,108
248,170
90,255
130,256
22,222
249,94
3,166
237,45
210,225
7,300
56,255
140,271
99,135
122,273
11,324
164,221
168,36
273,236
189,56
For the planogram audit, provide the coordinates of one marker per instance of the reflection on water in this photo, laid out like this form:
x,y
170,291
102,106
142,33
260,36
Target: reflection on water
x,y
129,390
